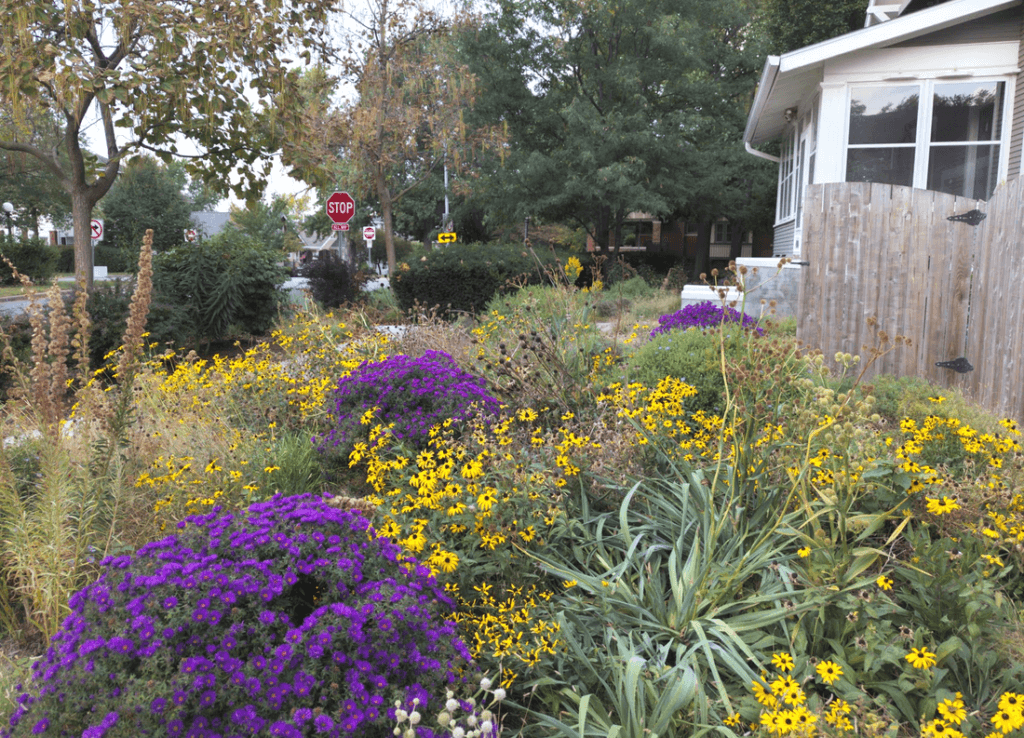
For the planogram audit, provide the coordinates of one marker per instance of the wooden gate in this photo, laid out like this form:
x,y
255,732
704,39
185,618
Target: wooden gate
x,y
891,253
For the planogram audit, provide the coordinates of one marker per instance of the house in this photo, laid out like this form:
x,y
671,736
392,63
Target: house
x,y
925,97
644,232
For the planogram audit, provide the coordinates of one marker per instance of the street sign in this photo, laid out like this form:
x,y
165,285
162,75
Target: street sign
x,y
340,208
446,238
369,233
190,234
339,226
96,226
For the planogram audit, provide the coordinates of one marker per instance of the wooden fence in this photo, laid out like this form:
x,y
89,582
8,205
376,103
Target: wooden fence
x,y
954,289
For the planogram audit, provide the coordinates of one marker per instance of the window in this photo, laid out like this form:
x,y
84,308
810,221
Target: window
x,y
786,179
723,232
934,135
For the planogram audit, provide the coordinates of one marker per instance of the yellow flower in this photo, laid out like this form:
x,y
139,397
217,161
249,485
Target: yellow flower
x,y
783,662
733,720
943,506
570,583
829,671
939,729
953,710
1006,721
920,658
763,696
884,582
446,561
1011,701
804,552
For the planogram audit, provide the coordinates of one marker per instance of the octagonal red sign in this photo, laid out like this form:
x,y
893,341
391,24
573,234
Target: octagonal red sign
x,y
341,207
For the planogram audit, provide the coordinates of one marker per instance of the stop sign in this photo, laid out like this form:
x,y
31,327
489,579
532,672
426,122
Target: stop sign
x,y
341,207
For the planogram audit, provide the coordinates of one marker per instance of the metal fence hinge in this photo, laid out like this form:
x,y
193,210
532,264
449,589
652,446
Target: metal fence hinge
x,y
960,366
973,217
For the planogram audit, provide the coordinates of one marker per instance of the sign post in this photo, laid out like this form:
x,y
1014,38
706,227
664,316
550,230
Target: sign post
x,y
369,233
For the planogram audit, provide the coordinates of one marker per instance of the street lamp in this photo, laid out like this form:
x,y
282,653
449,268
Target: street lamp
x,y
8,209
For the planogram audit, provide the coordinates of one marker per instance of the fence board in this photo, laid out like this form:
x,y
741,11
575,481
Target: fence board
x,y
953,289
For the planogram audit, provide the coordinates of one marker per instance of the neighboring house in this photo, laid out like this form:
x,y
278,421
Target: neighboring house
x,y
925,97
643,232
209,223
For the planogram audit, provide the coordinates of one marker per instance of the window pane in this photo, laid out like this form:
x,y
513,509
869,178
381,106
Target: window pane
x,y
968,111
968,171
888,166
883,114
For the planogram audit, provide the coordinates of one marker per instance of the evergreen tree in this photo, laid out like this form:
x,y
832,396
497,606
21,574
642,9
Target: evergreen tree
x,y
146,195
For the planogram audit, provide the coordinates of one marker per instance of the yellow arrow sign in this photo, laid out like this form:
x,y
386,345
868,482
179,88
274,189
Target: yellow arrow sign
x,y
446,238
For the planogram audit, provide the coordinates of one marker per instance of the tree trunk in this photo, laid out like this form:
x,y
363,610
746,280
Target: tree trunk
x,y
736,244
620,215
81,212
702,254
384,194
601,226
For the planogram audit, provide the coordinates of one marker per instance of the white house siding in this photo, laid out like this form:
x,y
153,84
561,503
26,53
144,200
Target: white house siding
x,y
784,239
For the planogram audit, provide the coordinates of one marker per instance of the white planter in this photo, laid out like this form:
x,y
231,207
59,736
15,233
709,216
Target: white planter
x,y
694,294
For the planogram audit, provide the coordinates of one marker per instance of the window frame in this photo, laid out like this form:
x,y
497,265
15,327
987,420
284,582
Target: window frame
x,y
923,144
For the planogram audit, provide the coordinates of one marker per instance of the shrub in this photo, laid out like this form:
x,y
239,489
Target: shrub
x,y
413,394
692,355
227,281
287,619
114,258
464,277
702,315
65,259
332,281
109,305
32,256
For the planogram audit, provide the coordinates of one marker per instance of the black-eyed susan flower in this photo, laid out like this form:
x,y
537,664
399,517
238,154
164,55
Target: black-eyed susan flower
x,y
920,658
783,661
1006,721
942,506
829,671
1011,701
953,711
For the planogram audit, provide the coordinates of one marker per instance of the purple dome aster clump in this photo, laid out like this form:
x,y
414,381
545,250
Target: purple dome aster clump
x,y
703,315
412,395
289,619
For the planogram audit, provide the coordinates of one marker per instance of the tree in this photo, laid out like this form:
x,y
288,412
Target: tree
x,y
145,196
157,70
271,225
601,105
407,118
786,25
24,181
618,106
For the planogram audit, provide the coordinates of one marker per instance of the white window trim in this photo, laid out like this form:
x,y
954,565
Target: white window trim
x,y
790,138
923,142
